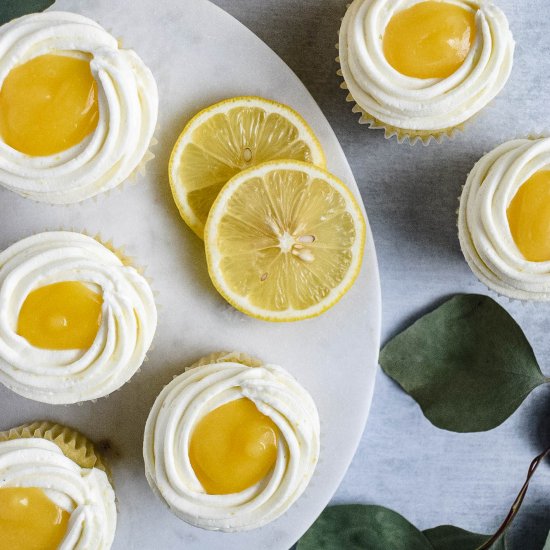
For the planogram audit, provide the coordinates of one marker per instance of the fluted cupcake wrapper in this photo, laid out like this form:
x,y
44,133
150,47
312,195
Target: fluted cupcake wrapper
x,y
140,171
402,135
227,357
72,443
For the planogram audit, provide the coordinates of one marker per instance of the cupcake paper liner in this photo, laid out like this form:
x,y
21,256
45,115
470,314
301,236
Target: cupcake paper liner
x,y
72,443
227,356
402,135
141,168
118,251
132,179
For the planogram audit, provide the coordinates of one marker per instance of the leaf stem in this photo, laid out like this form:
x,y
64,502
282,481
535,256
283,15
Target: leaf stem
x,y
517,503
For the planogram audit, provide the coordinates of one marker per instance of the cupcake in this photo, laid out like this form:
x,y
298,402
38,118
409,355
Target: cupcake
x,y
77,112
420,70
54,490
75,320
231,443
504,219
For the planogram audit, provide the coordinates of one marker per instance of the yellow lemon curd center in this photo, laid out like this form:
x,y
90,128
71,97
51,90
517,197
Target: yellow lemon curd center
x,y
48,105
61,316
529,217
29,520
429,39
233,447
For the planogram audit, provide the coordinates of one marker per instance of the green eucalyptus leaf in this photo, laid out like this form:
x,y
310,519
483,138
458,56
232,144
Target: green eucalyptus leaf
x,y
467,364
547,543
10,9
360,527
448,537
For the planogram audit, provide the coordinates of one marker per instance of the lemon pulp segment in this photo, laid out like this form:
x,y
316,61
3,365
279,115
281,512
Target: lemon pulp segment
x,y
48,105
429,39
233,447
227,138
529,217
284,241
61,316
29,520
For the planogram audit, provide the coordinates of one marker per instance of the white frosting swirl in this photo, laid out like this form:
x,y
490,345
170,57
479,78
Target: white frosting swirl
x,y
128,322
484,232
429,104
194,394
85,494
127,100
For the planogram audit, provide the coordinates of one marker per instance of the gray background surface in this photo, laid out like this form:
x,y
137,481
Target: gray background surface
x,y
431,476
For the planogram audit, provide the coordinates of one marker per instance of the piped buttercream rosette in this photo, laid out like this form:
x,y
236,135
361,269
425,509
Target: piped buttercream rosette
x,y
195,393
85,493
484,231
417,107
128,319
127,100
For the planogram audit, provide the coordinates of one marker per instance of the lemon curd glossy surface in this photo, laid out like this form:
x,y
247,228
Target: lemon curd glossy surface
x,y
61,316
429,40
29,520
233,447
48,104
529,217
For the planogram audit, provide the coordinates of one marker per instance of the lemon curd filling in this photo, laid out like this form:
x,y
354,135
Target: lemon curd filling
x,y
233,447
61,316
429,39
29,520
48,105
529,217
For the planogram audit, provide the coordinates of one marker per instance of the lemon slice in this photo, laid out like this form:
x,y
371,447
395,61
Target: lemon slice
x,y
229,137
284,241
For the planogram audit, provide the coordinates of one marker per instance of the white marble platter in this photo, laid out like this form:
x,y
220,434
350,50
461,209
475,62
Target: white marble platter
x,y
199,55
